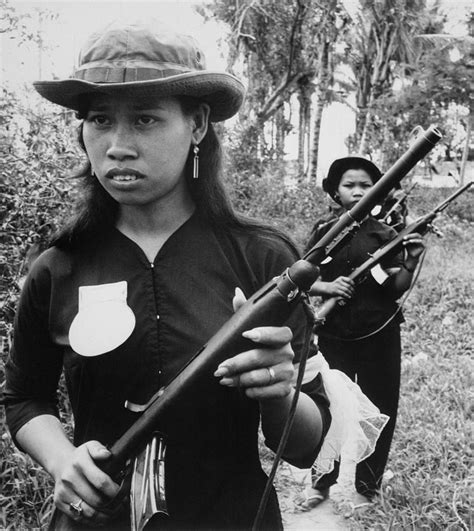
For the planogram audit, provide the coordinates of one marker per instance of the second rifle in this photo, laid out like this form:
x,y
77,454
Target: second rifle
x,y
420,226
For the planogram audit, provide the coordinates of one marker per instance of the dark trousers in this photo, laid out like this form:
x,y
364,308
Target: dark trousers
x,y
374,363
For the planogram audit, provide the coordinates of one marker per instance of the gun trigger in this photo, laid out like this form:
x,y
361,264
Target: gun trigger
x,y
139,408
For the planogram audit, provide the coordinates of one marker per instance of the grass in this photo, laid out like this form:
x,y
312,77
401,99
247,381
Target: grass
x,y
432,452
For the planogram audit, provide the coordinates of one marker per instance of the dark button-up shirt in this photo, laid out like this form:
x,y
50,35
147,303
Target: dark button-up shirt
x,y
179,301
372,304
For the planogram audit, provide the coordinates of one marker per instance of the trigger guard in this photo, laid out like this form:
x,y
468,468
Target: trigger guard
x,y
120,501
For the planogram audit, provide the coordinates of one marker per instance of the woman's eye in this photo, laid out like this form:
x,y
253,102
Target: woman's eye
x,y
99,119
146,120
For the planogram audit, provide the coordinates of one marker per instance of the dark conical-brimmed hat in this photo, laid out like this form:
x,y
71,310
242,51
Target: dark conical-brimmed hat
x,y
144,61
340,166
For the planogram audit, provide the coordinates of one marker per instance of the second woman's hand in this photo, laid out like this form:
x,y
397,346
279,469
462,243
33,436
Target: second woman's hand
x,y
414,245
340,287
82,489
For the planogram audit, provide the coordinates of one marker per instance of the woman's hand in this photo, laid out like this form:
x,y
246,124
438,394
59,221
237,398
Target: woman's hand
x,y
342,287
414,245
80,483
266,371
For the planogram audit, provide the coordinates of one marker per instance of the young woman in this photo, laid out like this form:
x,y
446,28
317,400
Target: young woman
x,y
152,265
362,338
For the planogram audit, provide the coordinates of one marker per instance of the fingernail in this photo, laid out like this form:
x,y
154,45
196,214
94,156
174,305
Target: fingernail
x,y
229,382
221,371
238,292
104,452
253,335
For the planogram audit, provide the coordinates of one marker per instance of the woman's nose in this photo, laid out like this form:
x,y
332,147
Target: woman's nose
x,y
122,144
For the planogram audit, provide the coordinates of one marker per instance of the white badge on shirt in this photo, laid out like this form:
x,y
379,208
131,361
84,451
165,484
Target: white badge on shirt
x,y
104,321
379,274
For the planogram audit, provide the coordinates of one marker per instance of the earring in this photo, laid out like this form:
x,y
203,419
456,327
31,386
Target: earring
x,y
196,162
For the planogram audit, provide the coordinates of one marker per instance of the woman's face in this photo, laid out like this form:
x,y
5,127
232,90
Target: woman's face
x,y
353,186
138,149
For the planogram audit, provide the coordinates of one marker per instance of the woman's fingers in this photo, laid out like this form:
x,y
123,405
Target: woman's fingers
x,y
82,487
275,348
80,511
265,382
344,287
99,479
265,371
258,377
414,245
97,487
270,336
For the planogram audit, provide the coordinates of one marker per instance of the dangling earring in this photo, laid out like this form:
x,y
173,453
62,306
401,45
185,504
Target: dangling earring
x,y
196,162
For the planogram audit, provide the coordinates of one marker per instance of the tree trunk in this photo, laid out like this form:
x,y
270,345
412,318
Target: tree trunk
x,y
321,91
304,98
318,114
365,123
465,152
279,124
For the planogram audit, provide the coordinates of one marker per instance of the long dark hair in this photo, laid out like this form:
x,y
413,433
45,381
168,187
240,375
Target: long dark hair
x,y
96,211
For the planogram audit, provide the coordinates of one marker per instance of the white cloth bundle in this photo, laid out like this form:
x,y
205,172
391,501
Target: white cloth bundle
x,y
356,421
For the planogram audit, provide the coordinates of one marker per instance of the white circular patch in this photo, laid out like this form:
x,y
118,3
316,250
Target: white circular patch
x,y
104,321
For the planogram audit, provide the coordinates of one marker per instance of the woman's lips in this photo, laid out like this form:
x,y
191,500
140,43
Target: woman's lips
x,y
123,175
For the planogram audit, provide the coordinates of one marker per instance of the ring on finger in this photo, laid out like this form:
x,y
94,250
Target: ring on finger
x,y
271,374
76,508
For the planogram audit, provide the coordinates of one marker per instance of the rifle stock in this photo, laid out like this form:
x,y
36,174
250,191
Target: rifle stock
x,y
270,306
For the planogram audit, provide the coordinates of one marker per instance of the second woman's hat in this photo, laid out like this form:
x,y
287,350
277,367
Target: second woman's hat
x,y
145,61
340,166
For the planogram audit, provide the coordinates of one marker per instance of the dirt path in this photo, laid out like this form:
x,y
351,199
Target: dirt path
x,y
332,514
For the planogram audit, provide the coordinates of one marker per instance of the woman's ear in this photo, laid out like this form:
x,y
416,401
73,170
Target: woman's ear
x,y
200,122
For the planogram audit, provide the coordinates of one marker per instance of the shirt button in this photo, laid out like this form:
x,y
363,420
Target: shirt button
x,y
157,317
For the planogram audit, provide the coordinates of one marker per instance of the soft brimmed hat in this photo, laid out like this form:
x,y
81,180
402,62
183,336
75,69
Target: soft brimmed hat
x,y
143,61
340,166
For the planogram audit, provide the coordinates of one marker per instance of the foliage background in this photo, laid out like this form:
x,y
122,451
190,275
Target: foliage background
x,y
432,453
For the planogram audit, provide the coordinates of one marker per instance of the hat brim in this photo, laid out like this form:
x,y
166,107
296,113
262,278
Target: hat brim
x,y
223,92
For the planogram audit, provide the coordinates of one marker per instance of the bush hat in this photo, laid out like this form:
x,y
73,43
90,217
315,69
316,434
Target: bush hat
x,y
340,166
143,61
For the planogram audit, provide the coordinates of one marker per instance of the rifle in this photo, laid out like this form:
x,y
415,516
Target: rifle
x,y
421,225
271,305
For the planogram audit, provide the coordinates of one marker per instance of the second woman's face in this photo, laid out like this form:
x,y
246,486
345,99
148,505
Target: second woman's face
x,y
353,185
138,149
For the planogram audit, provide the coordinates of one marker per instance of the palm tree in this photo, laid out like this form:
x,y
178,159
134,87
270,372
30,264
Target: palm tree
x,y
465,48
382,38
333,21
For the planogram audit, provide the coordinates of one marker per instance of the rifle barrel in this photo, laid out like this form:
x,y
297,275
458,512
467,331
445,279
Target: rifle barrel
x,y
453,196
